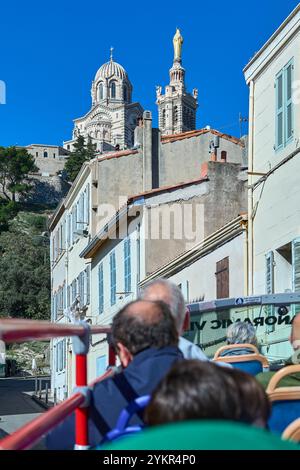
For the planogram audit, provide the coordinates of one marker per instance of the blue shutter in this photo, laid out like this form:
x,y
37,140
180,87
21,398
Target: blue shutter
x,y
88,285
101,288
112,278
127,266
279,110
288,115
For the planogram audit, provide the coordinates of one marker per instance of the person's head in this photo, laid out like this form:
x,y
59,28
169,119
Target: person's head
x,y
255,407
192,390
166,291
241,332
295,333
140,325
195,390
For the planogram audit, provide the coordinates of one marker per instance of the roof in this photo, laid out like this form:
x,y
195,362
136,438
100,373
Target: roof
x,y
110,70
274,35
92,248
187,135
118,154
167,188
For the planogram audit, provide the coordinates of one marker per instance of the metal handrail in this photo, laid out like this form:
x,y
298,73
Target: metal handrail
x,y
240,302
12,330
16,331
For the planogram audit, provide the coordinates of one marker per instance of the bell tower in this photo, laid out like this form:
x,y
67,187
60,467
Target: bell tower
x,y
176,108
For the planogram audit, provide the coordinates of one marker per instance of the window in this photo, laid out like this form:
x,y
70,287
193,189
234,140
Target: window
x,y
45,154
36,154
54,155
113,279
100,91
113,90
284,106
163,118
127,266
101,288
175,114
125,94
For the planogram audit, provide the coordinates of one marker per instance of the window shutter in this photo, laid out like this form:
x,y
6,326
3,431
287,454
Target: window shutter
x,y
296,270
269,310
127,265
222,278
88,285
101,288
288,102
112,278
279,109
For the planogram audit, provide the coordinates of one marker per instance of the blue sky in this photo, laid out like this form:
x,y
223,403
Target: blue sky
x,y
50,52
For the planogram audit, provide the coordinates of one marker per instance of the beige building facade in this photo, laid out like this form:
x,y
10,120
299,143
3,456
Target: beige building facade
x,y
274,195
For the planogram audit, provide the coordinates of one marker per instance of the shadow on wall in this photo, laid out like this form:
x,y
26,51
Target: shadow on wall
x,y
47,190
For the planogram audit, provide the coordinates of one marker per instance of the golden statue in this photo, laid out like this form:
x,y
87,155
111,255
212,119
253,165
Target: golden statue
x,y
177,42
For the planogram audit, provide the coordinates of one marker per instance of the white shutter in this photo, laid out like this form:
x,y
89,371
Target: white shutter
x,y
296,270
269,310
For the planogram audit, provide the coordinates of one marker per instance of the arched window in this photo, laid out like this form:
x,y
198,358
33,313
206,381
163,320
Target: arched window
x,y
100,91
175,114
113,89
163,120
125,93
45,154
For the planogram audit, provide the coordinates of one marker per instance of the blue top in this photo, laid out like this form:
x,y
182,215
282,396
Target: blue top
x,y
112,395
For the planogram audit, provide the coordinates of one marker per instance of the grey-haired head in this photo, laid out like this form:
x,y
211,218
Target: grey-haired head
x,y
168,292
241,332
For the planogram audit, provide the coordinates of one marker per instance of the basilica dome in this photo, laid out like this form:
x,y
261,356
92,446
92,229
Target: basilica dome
x,y
109,70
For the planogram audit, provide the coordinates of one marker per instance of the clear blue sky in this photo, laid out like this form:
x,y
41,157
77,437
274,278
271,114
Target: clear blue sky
x,y
51,50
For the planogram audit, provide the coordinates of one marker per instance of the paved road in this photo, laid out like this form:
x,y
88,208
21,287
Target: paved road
x,y
16,405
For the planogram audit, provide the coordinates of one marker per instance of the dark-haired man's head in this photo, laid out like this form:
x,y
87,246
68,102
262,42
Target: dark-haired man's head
x,y
194,390
141,325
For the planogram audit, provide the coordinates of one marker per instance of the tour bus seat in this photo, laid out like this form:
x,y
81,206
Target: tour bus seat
x,y
253,364
292,432
122,427
285,401
232,347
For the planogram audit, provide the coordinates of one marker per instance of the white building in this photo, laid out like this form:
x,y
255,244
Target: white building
x,y
274,166
113,116
70,275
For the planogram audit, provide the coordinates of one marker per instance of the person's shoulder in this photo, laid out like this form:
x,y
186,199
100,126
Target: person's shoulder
x,y
264,378
191,350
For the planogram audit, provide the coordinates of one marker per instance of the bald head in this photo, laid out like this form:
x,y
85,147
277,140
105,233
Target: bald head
x,y
144,324
295,333
165,291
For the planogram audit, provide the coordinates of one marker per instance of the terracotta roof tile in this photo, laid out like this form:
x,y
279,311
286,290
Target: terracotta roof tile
x,y
187,135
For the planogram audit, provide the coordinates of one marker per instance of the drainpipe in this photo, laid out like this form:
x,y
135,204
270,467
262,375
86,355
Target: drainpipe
x,y
250,193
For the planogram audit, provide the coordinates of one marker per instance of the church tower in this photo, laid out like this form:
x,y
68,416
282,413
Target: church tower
x,y
111,121
176,108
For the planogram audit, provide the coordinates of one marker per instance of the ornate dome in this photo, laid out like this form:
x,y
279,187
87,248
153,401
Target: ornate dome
x,y
111,69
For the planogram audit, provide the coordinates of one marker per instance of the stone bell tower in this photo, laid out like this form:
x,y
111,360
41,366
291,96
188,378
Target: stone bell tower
x,y
176,108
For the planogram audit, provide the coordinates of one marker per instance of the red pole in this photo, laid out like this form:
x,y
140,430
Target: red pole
x,y
81,414
111,356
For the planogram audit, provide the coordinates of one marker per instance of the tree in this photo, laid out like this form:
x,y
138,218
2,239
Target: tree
x,y
25,269
80,154
15,165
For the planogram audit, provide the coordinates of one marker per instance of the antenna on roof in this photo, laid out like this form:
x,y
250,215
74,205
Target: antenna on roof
x,y
241,120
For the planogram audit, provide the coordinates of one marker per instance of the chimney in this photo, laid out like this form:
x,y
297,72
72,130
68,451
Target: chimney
x,y
147,151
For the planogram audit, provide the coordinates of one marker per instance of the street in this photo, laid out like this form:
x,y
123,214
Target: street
x,y
16,405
